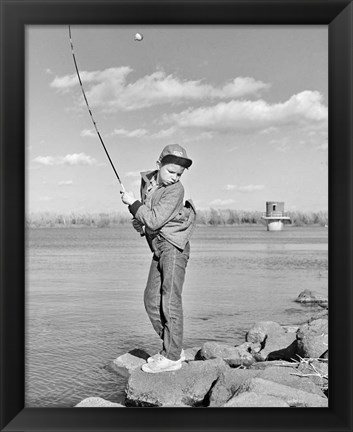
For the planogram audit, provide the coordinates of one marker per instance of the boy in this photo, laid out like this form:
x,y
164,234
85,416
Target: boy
x,y
168,225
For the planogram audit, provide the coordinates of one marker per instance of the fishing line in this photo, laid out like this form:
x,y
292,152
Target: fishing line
x,y
90,111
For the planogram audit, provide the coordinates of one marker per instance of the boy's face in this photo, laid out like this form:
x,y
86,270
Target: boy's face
x,y
169,173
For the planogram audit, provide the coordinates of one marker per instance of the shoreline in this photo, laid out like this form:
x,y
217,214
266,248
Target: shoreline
x,y
199,225
276,366
204,217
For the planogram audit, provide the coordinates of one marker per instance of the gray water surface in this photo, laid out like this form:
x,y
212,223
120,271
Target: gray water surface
x,y
84,298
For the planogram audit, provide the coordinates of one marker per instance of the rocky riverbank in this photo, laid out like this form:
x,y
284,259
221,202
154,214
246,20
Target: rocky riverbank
x,y
276,366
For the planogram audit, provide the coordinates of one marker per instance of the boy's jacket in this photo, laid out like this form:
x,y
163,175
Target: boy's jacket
x,y
165,213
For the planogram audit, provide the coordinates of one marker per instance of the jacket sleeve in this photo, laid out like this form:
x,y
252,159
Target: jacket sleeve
x,y
165,210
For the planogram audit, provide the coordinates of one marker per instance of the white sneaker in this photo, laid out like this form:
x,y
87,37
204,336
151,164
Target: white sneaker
x,y
154,357
161,364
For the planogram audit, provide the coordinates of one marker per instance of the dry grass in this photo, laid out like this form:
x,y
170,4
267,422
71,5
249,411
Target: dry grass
x,y
212,217
312,370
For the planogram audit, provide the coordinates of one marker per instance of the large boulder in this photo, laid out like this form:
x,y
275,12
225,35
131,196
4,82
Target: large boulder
x,y
289,377
125,364
263,330
288,354
272,337
273,363
231,381
292,396
321,314
234,356
134,359
190,353
312,339
316,371
187,386
227,384
253,400
97,402
312,297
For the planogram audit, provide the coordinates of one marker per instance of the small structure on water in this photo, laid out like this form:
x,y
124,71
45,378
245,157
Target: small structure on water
x,y
275,215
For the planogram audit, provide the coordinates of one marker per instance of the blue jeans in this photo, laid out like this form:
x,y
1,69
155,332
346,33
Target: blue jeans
x,y
162,295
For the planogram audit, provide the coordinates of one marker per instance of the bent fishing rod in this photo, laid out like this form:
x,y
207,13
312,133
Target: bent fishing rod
x,y
90,111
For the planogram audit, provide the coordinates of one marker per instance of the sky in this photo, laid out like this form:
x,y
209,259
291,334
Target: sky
x,y
248,103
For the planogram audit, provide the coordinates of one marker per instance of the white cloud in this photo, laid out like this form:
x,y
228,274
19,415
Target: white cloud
x,y
45,160
250,188
230,187
137,133
78,159
303,109
69,159
111,90
140,133
247,189
222,202
242,86
269,130
165,133
90,133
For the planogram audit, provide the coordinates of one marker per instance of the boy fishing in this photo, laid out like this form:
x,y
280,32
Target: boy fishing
x,y
168,224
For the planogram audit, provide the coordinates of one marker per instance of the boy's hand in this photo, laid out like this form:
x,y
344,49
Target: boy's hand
x,y
127,197
138,226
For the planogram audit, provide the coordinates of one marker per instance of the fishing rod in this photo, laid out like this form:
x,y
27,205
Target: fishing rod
x,y
90,111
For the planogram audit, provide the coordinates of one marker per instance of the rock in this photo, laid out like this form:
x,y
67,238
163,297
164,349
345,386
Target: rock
x,y
212,350
187,386
282,348
268,364
261,330
308,296
97,402
312,339
292,396
231,381
244,355
126,363
322,314
289,377
190,353
227,384
290,328
272,338
287,354
316,371
234,356
253,400
324,355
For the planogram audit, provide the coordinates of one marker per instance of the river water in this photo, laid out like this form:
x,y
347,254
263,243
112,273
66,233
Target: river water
x,y
84,298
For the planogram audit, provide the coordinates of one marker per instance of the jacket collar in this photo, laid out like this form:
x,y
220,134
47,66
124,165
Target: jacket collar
x,y
148,176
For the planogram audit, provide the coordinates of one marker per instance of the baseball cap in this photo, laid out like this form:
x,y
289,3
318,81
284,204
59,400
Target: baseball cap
x,y
174,153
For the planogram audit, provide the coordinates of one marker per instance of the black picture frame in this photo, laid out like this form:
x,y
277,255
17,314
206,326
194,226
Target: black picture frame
x,y
15,15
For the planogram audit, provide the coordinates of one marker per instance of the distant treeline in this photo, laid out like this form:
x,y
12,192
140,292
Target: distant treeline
x,y
211,217
239,217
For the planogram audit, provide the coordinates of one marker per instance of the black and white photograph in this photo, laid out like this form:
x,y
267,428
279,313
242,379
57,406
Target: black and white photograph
x,y
176,188
176,216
